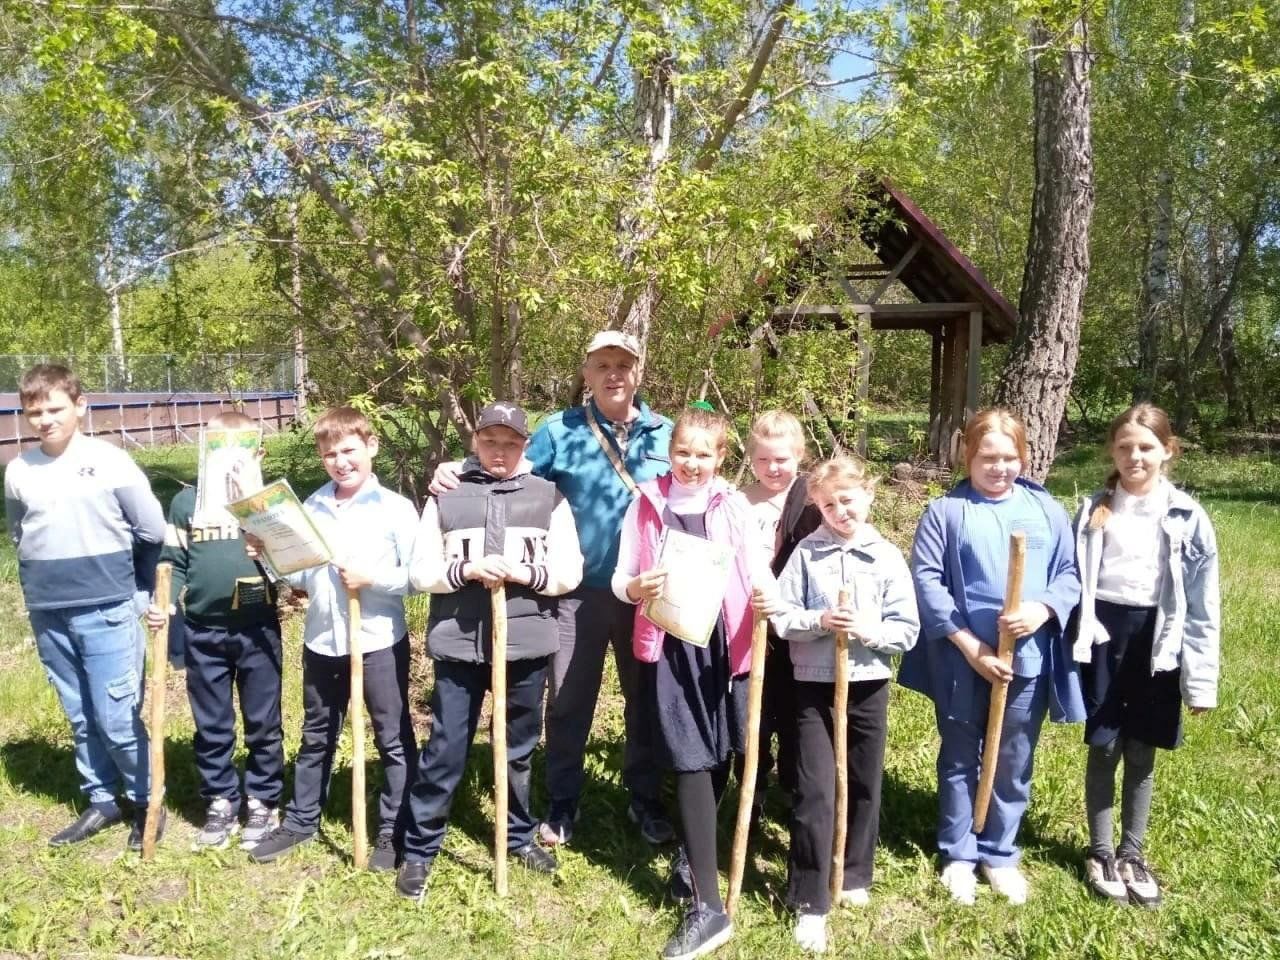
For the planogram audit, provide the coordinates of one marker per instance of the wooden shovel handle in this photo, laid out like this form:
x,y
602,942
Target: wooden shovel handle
x,y
840,747
359,829
498,682
751,763
1000,691
155,709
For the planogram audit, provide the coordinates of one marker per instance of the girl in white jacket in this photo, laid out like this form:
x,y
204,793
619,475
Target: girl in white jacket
x,y
845,553
1146,636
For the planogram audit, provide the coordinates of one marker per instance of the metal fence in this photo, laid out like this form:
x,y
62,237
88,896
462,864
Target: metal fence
x,y
227,373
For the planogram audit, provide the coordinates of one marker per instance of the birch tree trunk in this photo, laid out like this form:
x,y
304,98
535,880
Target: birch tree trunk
x,y
1155,314
1042,358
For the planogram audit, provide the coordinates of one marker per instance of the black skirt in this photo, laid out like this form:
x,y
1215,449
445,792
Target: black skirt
x,y
1123,697
701,709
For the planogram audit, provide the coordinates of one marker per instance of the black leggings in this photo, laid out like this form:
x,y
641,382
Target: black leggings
x,y
698,795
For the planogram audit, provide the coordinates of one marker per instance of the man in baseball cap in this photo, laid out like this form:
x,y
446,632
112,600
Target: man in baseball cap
x,y
614,338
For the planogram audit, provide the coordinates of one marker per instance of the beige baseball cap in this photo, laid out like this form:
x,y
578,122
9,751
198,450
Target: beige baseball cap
x,y
614,338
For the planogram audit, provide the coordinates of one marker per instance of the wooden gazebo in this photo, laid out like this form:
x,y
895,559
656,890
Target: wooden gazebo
x,y
955,303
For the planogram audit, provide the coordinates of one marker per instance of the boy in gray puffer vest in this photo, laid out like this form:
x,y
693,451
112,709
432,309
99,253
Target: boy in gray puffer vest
x,y
500,525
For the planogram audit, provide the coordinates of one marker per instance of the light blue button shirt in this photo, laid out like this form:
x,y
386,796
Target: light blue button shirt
x,y
373,531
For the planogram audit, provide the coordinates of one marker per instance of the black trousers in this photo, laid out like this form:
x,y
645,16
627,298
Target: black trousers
x,y
777,718
812,815
455,712
326,690
221,661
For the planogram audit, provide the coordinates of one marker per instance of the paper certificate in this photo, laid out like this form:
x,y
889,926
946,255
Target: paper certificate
x,y
290,539
229,469
697,579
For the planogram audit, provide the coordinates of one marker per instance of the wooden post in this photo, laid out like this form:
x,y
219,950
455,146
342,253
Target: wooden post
x,y
946,409
155,709
864,378
840,746
974,377
751,763
1000,691
359,829
498,682
935,394
959,379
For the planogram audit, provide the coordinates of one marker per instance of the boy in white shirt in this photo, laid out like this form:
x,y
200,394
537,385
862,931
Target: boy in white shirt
x,y
371,530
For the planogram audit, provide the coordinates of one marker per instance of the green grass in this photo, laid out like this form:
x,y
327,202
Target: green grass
x,y
1214,838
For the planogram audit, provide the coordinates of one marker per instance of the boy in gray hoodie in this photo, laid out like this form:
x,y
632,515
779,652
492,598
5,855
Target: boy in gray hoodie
x,y
845,553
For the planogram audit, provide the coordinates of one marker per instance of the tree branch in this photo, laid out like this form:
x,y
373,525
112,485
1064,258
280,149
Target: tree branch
x,y
733,112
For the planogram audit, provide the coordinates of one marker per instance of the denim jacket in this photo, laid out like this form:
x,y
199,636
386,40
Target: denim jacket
x,y
875,573
1188,613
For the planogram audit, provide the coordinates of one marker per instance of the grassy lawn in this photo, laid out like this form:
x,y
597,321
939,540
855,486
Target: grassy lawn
x,y
1214,838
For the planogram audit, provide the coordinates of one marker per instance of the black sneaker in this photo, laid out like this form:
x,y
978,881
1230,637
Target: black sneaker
x,y
411,881
652,819
680,886
537,859
277,844
701,931
140,825
1143,887
96,818
383,858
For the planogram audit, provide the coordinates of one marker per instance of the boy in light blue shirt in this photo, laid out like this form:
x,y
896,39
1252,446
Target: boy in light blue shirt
x,y
371,531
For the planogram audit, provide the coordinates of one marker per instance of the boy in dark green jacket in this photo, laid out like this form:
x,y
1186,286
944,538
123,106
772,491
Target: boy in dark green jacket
x,y
232,640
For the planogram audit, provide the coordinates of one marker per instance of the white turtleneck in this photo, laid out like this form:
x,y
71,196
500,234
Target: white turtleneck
x,y
1131,545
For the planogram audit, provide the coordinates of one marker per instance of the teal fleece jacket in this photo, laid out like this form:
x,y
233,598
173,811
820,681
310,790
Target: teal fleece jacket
x,y
565,451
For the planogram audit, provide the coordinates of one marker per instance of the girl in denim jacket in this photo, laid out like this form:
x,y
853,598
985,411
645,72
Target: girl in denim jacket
x,y
1147,638
845,553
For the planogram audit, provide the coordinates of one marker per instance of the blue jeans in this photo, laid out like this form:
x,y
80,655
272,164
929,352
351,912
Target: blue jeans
x,y
959,759
93,656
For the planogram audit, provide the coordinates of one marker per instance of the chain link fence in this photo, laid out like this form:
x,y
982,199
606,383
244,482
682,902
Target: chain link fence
x,y
227,373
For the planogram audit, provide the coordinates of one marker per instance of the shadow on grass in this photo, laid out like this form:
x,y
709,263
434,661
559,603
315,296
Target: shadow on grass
x,y
47,769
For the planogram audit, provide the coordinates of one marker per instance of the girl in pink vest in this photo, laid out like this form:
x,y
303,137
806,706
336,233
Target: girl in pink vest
x,y
699,693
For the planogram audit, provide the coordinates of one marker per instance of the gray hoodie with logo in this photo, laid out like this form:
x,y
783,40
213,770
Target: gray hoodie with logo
x,y
876,575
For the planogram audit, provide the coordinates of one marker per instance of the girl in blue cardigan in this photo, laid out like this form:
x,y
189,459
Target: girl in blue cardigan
x,y
960,562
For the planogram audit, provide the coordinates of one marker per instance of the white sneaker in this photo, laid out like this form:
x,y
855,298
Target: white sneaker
x,y
855,897
811,932
958,877
1009,882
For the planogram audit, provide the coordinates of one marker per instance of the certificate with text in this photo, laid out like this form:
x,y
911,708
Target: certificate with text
x,y
290,538
697,580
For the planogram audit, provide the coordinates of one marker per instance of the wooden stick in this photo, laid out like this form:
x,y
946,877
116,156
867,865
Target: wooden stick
x,y
155,706
359,829
498,682
1000,691
747,788
840,746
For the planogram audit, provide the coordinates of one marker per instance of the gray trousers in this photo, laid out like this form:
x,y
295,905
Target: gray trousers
x,y
1135,794
592,618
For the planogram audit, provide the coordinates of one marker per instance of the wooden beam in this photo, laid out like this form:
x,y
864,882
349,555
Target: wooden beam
x,y
875,310
887,282
975,364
